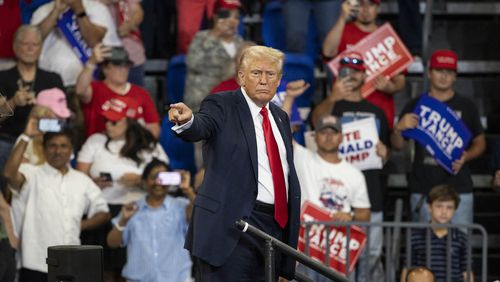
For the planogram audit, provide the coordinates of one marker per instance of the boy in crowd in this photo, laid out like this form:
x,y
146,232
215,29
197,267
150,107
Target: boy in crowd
x,y
442,201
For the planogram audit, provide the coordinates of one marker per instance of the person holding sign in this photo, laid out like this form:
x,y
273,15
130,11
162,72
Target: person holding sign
x,y
346,102
426,173
330,182
355,23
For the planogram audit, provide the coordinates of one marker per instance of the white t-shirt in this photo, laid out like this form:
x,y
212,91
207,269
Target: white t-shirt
x,y
55,205
109,160
337,187
57,54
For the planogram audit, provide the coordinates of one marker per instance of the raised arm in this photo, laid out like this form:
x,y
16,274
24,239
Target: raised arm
x,y
11,170
409,120
115,238
332,39
83,88
91,33
340,89
50,21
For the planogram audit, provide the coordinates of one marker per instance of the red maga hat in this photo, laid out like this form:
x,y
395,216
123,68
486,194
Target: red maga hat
x,y
228,4
443,59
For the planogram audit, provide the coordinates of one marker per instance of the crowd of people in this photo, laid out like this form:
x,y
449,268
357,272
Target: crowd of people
x,y
81,161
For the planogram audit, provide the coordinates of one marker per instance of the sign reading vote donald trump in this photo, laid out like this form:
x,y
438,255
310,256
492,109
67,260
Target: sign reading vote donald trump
x,y
358,147
440,130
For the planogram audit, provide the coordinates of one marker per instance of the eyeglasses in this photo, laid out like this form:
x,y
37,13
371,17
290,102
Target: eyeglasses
x,y
351,61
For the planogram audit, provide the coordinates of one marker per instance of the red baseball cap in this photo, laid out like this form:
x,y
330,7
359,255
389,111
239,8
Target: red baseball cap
x,y
116,109
443,59
228,4
353,60
376,1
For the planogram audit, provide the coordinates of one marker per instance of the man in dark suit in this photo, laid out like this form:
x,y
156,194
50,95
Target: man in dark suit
x,y
249,175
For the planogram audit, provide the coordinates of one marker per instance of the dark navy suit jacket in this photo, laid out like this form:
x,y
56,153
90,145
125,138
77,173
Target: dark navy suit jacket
x,y
229,188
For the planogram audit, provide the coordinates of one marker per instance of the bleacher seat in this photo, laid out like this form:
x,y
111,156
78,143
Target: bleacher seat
x,y
273,25
176,79
300,66
180,153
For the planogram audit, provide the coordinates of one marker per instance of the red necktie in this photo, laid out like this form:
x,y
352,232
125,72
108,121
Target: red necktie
x,y
280,206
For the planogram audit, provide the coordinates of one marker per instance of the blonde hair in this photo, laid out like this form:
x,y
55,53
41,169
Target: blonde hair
x,y
254,53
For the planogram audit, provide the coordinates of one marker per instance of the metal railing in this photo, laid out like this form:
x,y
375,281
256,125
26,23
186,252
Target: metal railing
x,y
272,243
393,249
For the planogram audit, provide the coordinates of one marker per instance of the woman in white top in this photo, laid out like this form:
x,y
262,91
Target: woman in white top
x,y
115,159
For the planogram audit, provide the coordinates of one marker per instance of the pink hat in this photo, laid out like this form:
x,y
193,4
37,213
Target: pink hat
x,y
54,99
118,108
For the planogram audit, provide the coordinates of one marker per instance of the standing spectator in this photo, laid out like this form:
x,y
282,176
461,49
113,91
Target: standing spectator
x,y
94,23
114,64
210,59
346,102
128,15
442,202
153,229
297,13
21,84
10,20
329,181
190,14
122,152
346,34
248,147
57,199
426,172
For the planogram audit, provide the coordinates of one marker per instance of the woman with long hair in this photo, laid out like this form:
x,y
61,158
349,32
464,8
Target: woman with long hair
x,y
115,159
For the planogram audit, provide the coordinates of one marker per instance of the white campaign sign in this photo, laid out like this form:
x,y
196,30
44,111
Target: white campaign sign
x,y
359,142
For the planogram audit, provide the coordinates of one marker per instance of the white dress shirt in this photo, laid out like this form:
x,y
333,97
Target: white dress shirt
x,y
265,178
55,205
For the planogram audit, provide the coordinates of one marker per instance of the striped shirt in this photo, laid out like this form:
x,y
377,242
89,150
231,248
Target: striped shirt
x,y
439,251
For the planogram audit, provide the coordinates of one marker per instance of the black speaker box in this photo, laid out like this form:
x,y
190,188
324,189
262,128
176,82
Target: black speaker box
x,y
75,263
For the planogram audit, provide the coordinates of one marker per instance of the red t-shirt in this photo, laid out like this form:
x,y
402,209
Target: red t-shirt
x,y
102,93
226,85
350,36
10,20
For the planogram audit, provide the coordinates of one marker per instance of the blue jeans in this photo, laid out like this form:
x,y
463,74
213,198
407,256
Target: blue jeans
x,y
373,256
296,14
463,215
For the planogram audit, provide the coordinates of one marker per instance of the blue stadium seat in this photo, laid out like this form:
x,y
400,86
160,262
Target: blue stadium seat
x,y
300,66
274,30
273,25
176,79
180,153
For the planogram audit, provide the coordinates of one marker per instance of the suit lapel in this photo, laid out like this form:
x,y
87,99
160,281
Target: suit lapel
x,y
281,126
248,129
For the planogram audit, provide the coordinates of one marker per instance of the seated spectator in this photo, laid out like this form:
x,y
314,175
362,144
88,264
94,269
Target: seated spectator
x,y
426,172
115,160
419,274
57,199
21,84
128,15
344,34
94,23
153,230
442,202
330,182
114,64
210,58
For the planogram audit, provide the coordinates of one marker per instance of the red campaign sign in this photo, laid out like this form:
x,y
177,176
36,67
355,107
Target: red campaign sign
x,y
338,239
383,53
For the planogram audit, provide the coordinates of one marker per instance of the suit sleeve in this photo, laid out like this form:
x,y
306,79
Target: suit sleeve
x,y
208,121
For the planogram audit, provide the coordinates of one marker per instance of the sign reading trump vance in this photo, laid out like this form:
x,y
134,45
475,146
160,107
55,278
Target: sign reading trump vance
x,y
440,130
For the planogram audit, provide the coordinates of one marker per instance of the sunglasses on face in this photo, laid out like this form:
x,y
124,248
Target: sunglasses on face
x,y
351,61
112,122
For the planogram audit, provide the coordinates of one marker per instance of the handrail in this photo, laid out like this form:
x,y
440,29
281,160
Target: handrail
x,y
272,243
